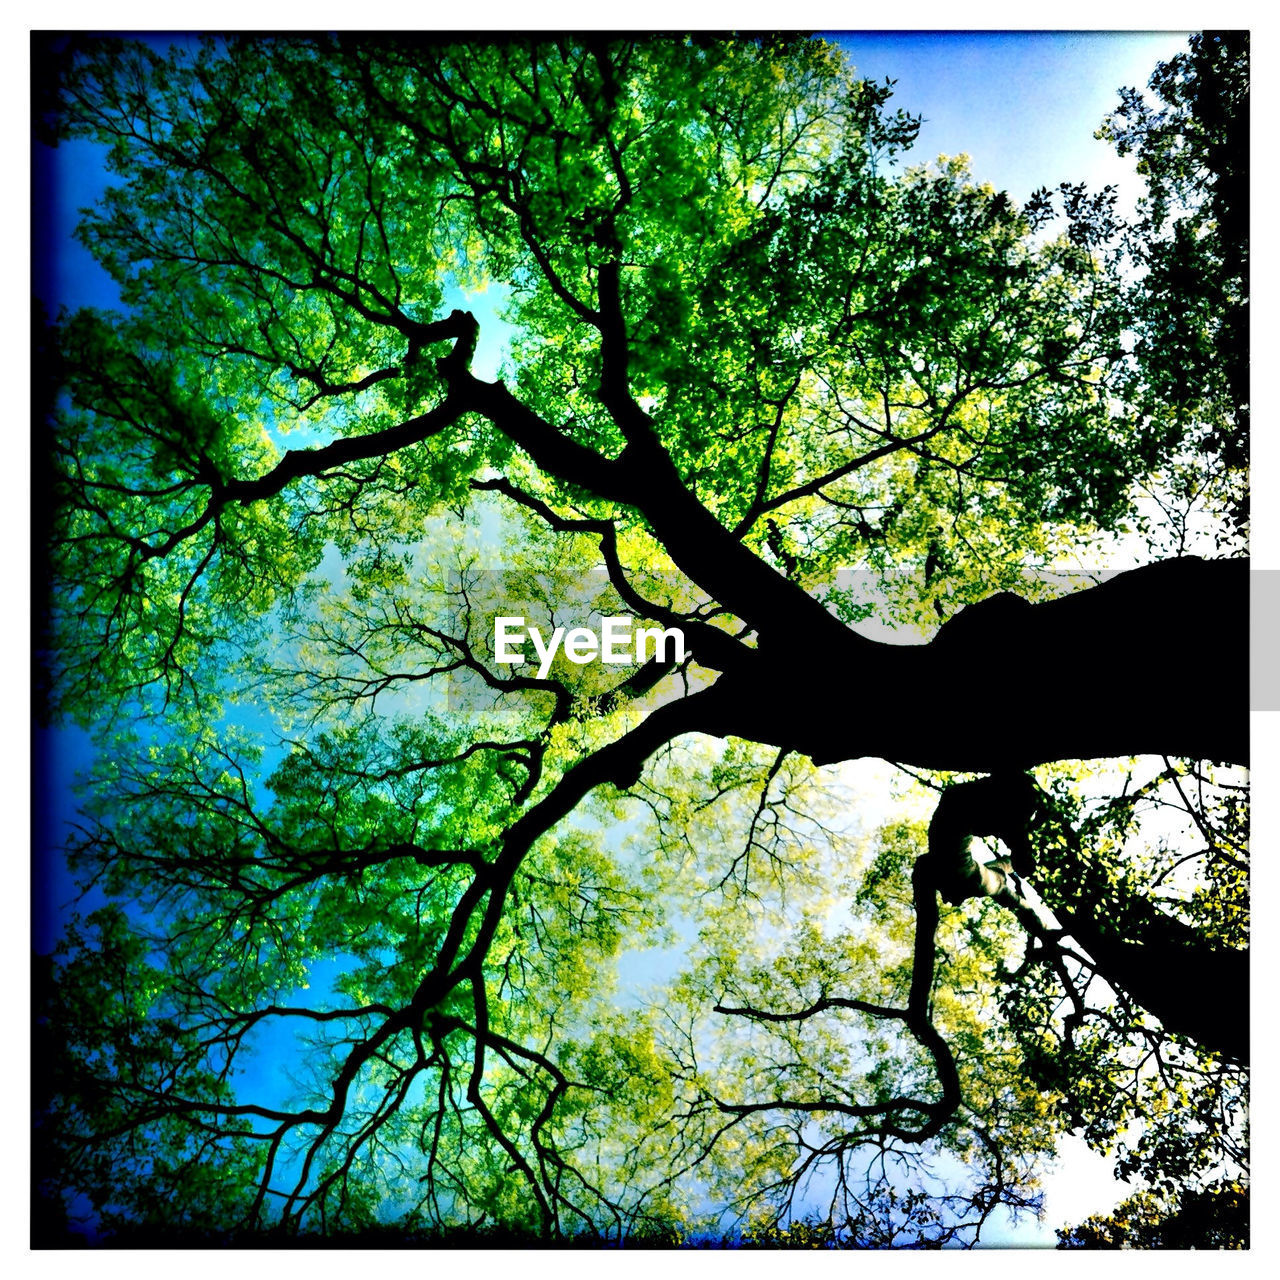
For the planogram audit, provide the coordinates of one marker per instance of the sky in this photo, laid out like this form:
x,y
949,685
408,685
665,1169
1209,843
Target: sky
x,y
1023,106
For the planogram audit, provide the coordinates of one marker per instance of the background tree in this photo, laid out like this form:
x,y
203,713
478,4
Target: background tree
x,y
1191,243
1216,1218
747,349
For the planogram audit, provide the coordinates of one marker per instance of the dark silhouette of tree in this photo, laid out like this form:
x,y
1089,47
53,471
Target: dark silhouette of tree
x,y
1191,241
1215,1218
746,350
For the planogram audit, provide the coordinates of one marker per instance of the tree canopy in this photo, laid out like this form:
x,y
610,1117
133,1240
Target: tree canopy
x,y
385,935
1191,311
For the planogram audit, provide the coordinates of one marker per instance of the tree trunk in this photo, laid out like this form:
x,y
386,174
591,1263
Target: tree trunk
x,y
1152,661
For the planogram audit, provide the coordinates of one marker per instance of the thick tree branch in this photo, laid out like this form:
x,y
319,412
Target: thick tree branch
x,y
1192,987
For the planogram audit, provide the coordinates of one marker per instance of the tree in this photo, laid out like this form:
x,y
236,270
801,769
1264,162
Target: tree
x,y
1216,1218
747,350
1191,302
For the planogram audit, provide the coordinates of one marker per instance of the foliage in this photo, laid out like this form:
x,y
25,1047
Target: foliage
x,y
1171,835
1191,243
384,936
1215,1218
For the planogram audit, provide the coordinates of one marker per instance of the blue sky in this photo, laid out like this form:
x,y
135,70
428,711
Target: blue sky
x,y
1024,106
